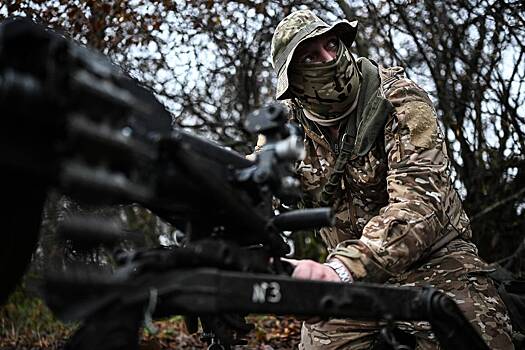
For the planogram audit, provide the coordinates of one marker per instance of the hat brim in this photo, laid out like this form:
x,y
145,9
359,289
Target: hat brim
x,y
345,30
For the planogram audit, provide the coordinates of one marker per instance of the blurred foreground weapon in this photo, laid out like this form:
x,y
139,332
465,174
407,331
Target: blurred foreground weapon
x,y
73,121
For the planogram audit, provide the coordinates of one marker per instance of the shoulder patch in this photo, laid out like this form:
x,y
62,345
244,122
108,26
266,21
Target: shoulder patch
x,y
421,121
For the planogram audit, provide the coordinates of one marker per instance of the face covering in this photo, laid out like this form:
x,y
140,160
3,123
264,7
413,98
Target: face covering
x,y
327,91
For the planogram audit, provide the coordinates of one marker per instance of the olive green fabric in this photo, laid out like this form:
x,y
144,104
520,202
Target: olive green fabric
x,y
372,109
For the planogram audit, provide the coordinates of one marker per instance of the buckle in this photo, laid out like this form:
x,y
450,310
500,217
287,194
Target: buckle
x,y
347,143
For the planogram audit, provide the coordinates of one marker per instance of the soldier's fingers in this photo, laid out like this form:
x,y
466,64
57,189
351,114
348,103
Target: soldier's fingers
x,y
331,275
308,269
317,274
324,273
302,271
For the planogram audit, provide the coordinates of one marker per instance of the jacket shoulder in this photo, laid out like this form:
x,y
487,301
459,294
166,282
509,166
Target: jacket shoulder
x,y
399,89
413,108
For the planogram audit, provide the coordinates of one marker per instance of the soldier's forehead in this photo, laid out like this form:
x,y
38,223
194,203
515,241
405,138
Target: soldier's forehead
x,y
325,36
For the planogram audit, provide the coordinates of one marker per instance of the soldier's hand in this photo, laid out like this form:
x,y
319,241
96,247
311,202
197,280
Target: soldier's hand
x,y
311,270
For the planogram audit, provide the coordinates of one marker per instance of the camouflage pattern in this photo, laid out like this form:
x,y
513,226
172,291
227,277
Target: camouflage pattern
x,y
401,186
328,90
455,270
292,31
400,221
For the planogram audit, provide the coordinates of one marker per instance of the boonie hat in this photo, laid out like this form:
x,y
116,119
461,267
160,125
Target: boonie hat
x,y
292,31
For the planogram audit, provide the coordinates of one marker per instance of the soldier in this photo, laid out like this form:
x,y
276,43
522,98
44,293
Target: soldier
x,y
375,153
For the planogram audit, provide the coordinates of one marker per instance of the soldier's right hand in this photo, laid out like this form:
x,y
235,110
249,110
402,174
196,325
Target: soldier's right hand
x,y
312,270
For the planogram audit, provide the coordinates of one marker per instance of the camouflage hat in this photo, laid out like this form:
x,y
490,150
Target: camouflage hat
x,y
292,31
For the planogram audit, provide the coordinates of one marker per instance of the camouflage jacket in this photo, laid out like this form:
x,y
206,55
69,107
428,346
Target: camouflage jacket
x,y
396,203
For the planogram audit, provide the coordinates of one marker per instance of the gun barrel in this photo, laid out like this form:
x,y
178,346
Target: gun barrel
x,y
304,219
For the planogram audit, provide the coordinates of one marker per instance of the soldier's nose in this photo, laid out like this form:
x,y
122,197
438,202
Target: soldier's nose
x,y
326,55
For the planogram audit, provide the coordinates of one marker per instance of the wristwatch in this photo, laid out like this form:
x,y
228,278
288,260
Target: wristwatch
x,y
340,269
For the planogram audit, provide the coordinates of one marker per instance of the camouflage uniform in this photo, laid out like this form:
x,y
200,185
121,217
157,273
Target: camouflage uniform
x,y
398,218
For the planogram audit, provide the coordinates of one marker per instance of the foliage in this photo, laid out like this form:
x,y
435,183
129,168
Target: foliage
x,y
269,333
207,60
470,57
25,322
308,245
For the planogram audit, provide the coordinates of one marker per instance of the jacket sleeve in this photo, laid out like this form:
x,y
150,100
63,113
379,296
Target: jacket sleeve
x,y
419,190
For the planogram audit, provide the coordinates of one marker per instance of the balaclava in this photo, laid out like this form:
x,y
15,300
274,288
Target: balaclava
x,y
327,91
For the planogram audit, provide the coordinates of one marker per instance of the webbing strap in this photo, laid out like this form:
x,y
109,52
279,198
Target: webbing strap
x,y
372,113
333,183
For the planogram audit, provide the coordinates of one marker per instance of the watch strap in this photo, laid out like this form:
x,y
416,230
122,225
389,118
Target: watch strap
x,y
340,269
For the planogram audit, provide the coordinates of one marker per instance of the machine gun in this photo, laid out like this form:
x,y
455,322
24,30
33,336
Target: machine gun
x,y
73,121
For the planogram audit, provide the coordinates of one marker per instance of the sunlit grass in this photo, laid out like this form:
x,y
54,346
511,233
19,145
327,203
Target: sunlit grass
x,y
26,322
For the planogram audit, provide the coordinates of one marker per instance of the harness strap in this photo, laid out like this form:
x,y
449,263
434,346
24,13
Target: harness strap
x,y
352,137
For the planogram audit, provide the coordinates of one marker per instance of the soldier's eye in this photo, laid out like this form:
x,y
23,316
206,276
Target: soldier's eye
x,y
332,44
308,59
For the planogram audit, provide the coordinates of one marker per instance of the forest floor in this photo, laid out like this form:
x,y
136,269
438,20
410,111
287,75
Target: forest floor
x,y
27,324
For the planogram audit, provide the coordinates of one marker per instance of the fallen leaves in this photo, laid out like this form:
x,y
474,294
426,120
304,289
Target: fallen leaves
x,y
270,333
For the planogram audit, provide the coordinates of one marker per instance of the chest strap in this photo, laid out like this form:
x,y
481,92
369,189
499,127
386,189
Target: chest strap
x,y
372,113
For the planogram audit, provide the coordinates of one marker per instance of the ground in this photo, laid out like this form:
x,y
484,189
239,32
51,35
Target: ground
x,y
27,324
270,333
